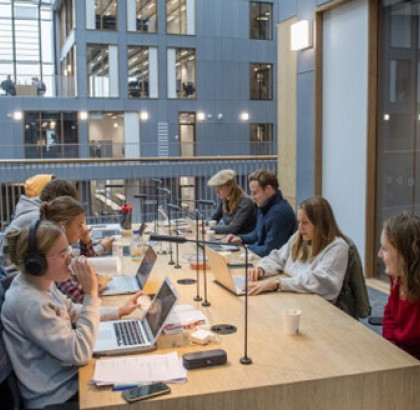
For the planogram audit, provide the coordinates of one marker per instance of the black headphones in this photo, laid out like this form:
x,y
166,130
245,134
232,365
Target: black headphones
x,y
35,263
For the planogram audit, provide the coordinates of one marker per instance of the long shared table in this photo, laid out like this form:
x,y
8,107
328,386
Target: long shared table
x,y
334,363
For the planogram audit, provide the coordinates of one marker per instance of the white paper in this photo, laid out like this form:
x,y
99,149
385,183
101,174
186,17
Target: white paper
x,y
144,369
106,265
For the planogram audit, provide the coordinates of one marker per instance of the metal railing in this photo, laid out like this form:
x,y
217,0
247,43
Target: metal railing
x,y
114,150
105,184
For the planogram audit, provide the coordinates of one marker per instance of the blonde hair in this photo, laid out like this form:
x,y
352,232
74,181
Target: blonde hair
x,y
403,232
319,212
61,210
47,234
231,203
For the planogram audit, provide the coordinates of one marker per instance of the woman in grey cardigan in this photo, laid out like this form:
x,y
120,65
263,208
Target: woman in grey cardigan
x,y
236,212
314,260
46,335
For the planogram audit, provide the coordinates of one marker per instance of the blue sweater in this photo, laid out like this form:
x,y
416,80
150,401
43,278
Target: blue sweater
x,y
276,222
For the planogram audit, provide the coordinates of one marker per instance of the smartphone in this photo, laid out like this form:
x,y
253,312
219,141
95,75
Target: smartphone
x,y
144,392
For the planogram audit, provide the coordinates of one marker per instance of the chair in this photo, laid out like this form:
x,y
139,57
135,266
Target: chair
x,y
353,298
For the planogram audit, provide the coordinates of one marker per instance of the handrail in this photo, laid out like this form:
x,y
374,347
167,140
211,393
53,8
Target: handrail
x,y
141,159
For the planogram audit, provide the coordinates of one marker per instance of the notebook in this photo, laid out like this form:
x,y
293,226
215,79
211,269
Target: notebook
x,y
125,284
223,275
132,336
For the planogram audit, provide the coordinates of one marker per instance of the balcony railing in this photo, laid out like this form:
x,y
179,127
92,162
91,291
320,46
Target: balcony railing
x,y
105,184
114,150
55,86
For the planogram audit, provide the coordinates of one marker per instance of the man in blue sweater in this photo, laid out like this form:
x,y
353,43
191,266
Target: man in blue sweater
x,y
276,220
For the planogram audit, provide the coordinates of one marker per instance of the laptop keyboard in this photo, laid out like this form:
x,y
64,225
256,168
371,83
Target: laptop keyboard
x,y
128,333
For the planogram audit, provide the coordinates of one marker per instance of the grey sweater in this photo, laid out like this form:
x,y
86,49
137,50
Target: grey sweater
x,y
323,276
48,338
240,222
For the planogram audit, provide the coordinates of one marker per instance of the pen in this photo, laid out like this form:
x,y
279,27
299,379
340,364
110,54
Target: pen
x,y
121,387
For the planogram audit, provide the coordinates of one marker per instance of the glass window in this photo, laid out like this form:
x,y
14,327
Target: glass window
x,y
102,70
181,73
106,134
101,14
142,16
66,82
180,17
187,125
261,81
261,139
51,135
260,21
142,69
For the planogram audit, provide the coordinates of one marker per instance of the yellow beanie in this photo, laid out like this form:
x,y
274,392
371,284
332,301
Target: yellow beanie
x,y
35,184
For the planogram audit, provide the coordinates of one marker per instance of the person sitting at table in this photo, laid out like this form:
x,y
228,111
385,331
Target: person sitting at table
x,y
314,259
69,214
400,252
37,190
276,220
47,336
236,213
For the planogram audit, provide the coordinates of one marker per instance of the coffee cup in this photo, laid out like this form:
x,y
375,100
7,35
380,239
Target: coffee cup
x,y
291,320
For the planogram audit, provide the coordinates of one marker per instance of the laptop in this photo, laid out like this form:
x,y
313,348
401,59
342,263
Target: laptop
x,y
126,284
224,277
131,336
102,231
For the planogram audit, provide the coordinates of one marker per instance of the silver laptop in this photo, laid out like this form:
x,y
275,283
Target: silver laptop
x,y
224,277
102,231
132,336
126,284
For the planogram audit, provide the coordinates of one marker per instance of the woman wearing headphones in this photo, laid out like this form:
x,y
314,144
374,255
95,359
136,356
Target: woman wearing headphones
x,y
69,214
46,335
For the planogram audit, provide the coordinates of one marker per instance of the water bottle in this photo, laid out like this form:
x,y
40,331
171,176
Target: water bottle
x,y
126,212
136,246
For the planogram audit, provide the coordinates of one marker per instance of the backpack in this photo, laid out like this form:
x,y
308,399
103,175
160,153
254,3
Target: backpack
x,y
353,298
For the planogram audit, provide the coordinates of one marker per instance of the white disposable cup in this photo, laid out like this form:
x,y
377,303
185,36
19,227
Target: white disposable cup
x,y
209,235
291,320
212,223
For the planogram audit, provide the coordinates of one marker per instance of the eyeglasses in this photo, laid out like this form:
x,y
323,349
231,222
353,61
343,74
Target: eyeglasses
x,y
64,255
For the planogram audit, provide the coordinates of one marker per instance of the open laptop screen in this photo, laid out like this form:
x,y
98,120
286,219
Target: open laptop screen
x,y
159,311
146,266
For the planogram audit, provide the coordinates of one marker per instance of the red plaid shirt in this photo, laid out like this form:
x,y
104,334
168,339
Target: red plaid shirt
x,y
71,287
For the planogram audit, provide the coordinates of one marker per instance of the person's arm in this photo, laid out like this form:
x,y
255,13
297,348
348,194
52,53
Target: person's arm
x,y
274,262
250,238
388,321
324,276
245,210
217,216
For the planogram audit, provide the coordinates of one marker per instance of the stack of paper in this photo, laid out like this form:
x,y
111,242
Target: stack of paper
x,y
143,369
184,317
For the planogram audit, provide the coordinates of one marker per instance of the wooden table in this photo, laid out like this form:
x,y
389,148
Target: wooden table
x,y
334,363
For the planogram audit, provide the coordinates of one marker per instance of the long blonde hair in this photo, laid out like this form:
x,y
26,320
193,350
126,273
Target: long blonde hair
x,y
319,212
230,204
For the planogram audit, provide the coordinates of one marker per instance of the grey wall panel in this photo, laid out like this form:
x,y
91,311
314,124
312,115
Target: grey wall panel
x,y
287,9
305,136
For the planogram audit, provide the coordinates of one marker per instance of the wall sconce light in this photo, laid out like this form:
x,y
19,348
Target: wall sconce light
x,y
17,115
301,35
83,115
144,115
201,116
386,117
244,116
219,116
